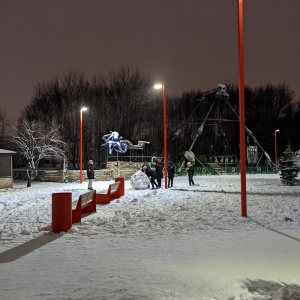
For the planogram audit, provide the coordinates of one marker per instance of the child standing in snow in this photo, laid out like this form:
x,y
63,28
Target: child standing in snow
x,y
190,172
90,173
171,172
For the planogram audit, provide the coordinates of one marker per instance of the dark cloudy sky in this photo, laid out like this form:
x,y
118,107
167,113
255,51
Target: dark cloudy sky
x,y
189,44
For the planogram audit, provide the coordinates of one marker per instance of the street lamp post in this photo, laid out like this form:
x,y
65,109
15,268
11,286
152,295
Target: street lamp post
x,y
80,144
242,106
164,94
275,146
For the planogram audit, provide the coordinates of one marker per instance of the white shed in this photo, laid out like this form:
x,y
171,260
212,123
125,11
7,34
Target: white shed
x,y
6,170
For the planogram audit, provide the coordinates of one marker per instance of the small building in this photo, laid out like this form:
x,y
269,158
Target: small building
x,y
6,169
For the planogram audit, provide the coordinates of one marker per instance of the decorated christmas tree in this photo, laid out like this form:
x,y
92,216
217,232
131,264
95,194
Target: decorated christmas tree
x,y
288,168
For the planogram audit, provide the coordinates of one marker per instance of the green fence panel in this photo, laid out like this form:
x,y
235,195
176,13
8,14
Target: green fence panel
x,y
233,170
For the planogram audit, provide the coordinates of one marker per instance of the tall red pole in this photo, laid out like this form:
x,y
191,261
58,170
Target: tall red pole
x,y
242,108
165,135
80,147
275,146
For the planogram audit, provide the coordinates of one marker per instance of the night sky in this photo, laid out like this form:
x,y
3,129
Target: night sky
x,y
189,44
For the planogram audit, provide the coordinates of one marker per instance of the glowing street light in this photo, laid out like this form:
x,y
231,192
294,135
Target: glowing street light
x,y
80,142
275,146
160,86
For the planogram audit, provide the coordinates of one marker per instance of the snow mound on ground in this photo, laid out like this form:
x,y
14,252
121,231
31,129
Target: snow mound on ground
x,y
139,181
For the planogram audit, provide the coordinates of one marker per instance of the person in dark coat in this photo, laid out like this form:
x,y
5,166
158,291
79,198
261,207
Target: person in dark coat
x,y
145,169
190,171
159,173
151,173
171,173
90,173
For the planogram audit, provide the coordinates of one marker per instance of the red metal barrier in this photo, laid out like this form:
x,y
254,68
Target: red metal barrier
x,y
61,212
122,185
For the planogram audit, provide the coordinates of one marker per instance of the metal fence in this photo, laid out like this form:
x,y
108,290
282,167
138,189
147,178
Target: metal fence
x,y
233,170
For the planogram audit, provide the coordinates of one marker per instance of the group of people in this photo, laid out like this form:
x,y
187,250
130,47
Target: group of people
x,y
156,173
153,174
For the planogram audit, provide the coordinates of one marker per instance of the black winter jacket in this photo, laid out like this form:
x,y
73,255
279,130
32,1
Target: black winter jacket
x,y
171,171
159,170
190,171
90,172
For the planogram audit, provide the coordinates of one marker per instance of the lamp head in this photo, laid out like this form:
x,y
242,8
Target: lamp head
x,y
158,86
84,109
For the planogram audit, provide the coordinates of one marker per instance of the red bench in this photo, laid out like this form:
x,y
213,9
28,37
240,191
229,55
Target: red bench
x,y
86,204
113,192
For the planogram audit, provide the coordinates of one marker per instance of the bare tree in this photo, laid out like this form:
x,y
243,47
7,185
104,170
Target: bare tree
x,y
37,142
124,101
127,93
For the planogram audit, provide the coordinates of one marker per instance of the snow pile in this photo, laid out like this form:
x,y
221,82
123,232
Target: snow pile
x,y
139,181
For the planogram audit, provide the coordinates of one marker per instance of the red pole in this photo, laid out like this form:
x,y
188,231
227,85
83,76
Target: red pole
x,y
275,146
242,108
80,151
165,135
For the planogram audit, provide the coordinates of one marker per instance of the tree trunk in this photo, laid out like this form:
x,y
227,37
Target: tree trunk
x,y
29,174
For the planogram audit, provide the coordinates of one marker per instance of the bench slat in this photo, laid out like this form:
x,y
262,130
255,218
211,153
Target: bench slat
x,y
86,198
114,187
85,204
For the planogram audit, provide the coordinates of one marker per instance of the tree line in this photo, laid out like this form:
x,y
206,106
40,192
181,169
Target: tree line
x,y
125,101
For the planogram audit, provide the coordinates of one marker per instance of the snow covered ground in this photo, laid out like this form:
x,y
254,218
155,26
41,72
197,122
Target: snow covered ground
x,y
180,243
